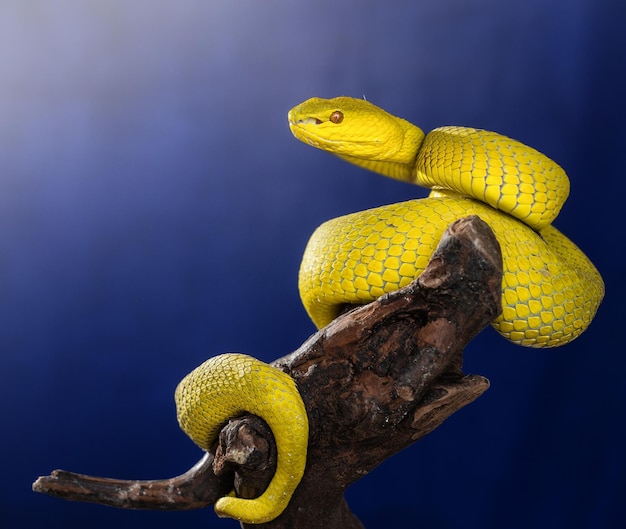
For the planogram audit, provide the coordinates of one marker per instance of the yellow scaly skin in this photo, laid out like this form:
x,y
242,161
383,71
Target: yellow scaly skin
x,y
229,385
550,289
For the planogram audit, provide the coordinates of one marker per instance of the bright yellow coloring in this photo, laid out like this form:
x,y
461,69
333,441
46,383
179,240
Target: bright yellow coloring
x,y
550,289
232,384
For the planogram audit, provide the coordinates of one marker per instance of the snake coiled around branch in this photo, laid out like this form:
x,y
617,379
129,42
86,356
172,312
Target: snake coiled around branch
x,y
550,289
229,385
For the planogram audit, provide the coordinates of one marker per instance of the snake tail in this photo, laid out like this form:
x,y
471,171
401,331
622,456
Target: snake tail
x,y
229,385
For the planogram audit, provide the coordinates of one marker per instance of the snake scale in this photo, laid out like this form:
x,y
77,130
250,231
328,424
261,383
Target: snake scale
x,y
550,289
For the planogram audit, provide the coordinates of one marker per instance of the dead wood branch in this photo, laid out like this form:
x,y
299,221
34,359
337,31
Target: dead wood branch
x,y
374,381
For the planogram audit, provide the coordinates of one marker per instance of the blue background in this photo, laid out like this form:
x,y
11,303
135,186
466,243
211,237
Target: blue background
x,y
154,207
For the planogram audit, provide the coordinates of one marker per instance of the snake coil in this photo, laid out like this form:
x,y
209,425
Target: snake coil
x,y
550,289
229,385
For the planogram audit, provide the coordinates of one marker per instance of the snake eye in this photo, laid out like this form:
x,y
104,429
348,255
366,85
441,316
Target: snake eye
x,y
336,116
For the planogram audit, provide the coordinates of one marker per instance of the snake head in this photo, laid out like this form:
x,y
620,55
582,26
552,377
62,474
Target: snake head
x,y
356,129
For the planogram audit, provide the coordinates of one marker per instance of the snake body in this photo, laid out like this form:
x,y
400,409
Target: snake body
x,y
550,289
229,385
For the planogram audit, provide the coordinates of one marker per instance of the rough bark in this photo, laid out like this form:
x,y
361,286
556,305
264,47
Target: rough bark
x,y
375,380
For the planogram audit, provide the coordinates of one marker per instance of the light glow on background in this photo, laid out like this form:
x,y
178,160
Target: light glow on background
x,y
154,208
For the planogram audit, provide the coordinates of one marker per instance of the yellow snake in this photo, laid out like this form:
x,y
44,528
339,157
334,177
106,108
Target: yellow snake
x,y
550,289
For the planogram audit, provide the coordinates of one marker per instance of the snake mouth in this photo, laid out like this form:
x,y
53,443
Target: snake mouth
x,y
307,121
304,130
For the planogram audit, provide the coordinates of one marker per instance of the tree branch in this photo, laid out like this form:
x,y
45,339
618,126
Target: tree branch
x,y
374,381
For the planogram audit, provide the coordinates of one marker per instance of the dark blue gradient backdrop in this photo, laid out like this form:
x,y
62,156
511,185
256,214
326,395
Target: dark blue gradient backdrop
x,y
154,207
